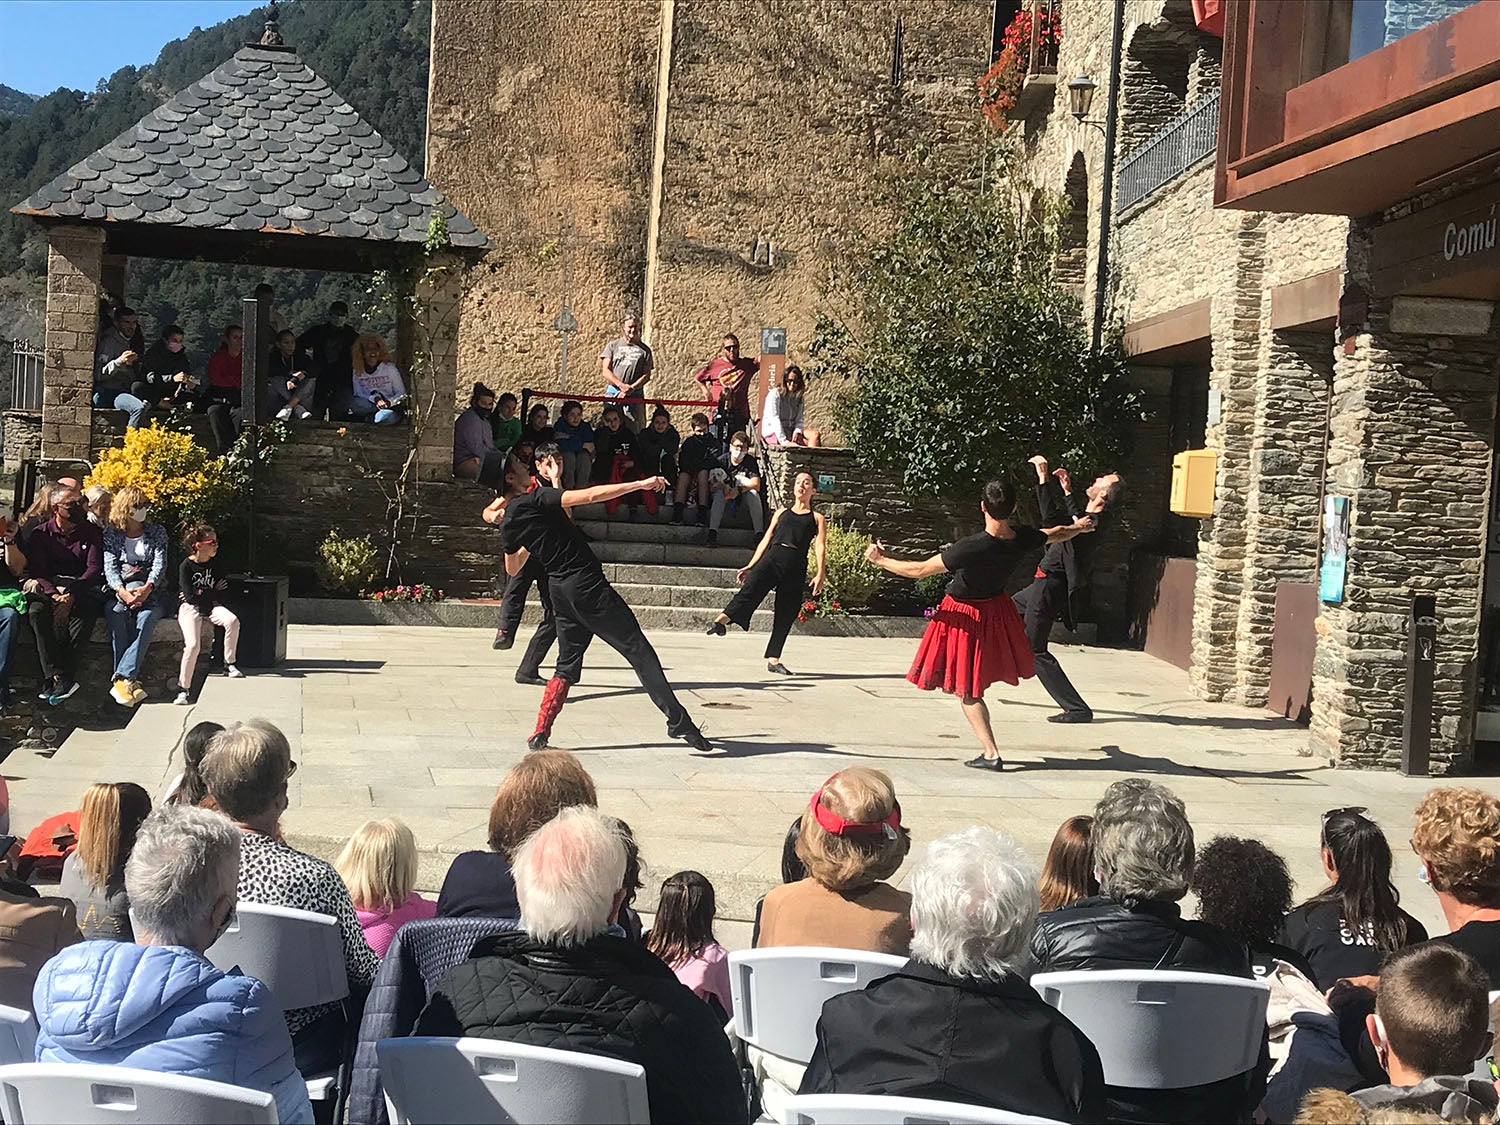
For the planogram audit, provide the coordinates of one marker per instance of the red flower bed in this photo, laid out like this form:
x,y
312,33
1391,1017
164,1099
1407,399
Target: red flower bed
x,y
999,85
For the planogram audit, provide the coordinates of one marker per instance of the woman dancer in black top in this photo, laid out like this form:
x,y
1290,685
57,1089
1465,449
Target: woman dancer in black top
x,y
975,636
780,564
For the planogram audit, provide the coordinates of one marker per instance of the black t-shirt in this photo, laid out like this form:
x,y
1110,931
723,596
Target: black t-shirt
x,y
700,451
196,581
1318,932
1481,941
748,466
537,521
981,564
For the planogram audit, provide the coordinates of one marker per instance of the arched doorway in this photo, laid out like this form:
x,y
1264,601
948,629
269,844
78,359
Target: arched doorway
x,y
1073,240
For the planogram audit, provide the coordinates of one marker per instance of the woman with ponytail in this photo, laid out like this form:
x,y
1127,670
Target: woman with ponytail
x,y
1347,929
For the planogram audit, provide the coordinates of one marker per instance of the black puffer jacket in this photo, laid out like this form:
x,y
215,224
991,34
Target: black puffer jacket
x,y
609,997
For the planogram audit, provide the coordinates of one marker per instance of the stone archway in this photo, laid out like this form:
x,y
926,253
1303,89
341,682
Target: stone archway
x,y
1073,240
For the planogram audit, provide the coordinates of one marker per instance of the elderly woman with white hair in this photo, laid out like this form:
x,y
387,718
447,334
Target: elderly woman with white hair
x,y
959,1022
159,1004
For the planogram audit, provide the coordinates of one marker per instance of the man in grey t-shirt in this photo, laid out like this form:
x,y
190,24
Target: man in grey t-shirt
x,y
626,364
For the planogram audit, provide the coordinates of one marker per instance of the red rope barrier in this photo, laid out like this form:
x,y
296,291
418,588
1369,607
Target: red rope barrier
x,y
619,401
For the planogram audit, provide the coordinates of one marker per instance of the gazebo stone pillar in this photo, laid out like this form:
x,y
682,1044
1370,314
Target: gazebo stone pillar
x,y
75,260
434,332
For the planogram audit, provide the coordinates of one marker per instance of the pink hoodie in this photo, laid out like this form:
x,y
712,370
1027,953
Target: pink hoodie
x,y
380,926
708,975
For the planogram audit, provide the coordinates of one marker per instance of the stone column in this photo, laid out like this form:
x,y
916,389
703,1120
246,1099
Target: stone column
x,y
74,264
434,334
1286,472
1411,447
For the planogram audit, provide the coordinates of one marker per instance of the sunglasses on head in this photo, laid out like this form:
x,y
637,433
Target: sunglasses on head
x,y
1350,810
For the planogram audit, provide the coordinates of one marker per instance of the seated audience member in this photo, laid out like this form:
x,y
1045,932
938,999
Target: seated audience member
x,y
166,373
1349,927
474,440
792,869
700,452
64,568
1245,889
379,390
656,447
99,500
629,920
226,367
683,937
291,383
537,788
1068,871
246,771
379,866
536,430
505,422
1457,840
328,345
264,292
1143,853
615,461
12,606
117,369
568,980
40,511
159,1004
135,570
740,485
1431,1022
575,438
781,423
851,839
93,877
200,600
960,1022
32,930
187,787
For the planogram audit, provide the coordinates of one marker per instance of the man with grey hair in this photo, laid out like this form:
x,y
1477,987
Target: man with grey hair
x,y
159,1004
1143,858
571,979
959,1022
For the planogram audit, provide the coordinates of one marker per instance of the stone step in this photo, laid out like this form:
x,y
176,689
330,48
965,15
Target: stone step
x,y
623,531
688,597
671,554
718,577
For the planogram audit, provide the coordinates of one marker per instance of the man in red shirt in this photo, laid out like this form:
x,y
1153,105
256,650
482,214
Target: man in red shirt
x,y
727,379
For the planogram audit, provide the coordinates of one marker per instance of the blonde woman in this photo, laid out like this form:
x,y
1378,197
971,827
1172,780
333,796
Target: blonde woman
x,y
378,386
135,563
379,866
93,877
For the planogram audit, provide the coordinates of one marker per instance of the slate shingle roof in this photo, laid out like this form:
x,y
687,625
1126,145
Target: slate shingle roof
x,y
261,144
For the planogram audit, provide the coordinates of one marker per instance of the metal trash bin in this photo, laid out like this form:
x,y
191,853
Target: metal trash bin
x,y
260,604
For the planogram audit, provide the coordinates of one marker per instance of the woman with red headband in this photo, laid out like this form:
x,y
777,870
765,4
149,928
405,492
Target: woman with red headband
x,y
975,636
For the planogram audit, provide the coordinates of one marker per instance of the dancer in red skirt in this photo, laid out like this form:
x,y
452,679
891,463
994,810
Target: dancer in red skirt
x,y
975,637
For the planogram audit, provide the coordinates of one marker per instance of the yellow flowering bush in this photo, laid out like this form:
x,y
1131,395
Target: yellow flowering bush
x,y
179,477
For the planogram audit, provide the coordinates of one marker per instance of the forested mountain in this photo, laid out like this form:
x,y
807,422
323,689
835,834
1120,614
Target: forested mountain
x,y
13,103
373,52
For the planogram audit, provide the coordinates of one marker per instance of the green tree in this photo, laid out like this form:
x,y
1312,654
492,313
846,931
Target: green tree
x,y
964,353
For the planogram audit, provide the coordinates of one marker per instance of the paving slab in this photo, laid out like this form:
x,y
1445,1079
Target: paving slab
x,y
422,722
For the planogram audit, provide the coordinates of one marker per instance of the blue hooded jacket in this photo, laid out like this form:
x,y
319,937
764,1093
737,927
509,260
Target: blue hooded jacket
x,y
165,1008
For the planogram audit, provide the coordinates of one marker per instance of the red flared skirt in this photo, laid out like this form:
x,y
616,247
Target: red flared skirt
x,y
969,645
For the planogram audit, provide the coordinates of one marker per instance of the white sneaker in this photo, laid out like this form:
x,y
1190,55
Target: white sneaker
x,y
284,413
182,699
233,672
302,413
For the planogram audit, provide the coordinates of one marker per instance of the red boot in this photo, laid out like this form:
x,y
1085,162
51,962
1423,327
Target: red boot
x,y
552,704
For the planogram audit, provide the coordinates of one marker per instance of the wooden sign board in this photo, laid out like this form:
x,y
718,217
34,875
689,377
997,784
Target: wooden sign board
x,y
1450,249
772,366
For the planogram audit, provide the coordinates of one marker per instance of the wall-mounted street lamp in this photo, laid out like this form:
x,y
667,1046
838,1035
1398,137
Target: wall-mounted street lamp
x,y
1081,100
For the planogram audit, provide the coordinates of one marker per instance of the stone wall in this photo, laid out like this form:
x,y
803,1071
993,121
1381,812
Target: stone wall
x,y
75,256
23,438
770,124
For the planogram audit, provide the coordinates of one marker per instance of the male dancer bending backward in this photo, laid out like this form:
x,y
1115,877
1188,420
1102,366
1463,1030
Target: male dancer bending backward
x,y
536,524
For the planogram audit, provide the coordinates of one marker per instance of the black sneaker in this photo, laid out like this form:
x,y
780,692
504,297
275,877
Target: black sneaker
x,y
1071,717
502,640
690,734
715,629
64,690
712,538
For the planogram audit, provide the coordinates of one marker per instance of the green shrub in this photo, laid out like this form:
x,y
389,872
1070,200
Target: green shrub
x,y
930,590
849,580
347,565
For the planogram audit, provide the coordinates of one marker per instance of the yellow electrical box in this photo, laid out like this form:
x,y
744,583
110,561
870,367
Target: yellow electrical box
x,y
1193,483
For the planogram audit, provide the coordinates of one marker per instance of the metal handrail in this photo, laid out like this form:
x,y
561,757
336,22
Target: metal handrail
x,y
1177,146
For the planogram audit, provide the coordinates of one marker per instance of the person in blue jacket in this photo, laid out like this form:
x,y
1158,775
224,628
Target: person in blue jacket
x,y
159,1004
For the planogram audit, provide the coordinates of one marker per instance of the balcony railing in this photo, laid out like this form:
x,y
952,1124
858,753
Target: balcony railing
x,y
1181,143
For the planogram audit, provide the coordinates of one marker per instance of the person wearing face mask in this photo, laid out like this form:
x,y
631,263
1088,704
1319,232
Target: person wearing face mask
x,y
740,485
328,346
98,499
166,373
64,566
474,438
135,565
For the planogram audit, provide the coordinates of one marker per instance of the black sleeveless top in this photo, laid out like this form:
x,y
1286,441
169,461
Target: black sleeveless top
x,y
796,530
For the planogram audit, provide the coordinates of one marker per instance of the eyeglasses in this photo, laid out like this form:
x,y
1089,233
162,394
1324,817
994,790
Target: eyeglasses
x,y
291,768
731,347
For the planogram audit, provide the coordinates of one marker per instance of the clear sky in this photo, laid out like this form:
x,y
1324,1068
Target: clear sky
x,y
74,43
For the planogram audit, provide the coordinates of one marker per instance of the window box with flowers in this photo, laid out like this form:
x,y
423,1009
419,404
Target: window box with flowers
x,y
1024,74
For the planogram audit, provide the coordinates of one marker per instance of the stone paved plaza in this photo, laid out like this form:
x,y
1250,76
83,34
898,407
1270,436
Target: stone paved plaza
x,y
422,722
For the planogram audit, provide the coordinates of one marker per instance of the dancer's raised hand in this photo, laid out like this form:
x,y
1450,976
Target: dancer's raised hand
x,y
1039,463
875,552
1064,480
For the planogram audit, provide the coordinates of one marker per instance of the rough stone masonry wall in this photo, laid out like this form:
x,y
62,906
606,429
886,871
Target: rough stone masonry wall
x,y
1413,426
74,260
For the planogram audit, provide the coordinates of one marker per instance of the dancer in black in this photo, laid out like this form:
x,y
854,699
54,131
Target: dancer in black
x,y
780,564
1060,588
513,602
585,605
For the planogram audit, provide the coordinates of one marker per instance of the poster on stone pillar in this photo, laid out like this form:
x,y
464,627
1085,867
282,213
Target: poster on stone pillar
x,y
1335,549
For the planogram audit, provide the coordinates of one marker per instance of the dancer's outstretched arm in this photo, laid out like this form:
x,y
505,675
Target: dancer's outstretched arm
x,y
760,548
904,568
1063,532
599,493
516,560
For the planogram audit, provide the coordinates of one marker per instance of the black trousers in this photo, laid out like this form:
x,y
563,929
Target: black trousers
x,y
513,605
788,577
1040,604
57,649
593,609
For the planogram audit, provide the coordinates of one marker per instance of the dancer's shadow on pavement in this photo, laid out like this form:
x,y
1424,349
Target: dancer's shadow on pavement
x,y
1219,722
300,667
725,748
1122,761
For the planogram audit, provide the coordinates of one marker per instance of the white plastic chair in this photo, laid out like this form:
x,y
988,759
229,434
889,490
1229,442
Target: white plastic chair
x,y
779,993
1163,1030
483,1081
85,1094
299,956
17,1036
870,1109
